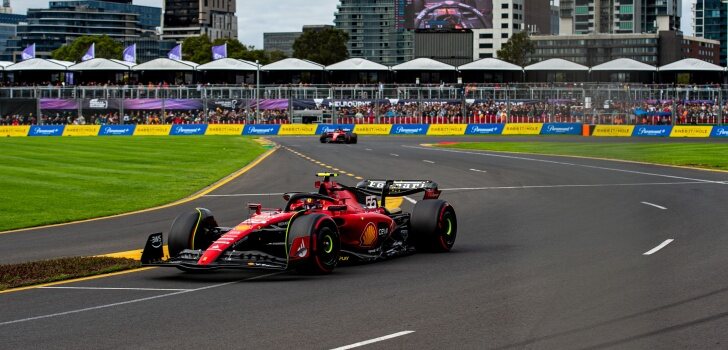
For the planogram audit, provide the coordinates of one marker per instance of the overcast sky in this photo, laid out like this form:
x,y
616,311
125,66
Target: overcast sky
x,y
258,16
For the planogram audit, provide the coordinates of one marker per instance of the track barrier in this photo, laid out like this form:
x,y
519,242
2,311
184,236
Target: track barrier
x,y
697,131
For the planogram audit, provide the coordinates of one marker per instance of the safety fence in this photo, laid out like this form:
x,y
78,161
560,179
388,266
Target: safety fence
x,y
368,129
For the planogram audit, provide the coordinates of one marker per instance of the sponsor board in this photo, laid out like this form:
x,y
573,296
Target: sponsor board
x,y
297,129
152,130
373,129
81,130
322,128
261,129
188,129
224,129
447,129
691,131
484,129
652,130
14,130
561,129
523,129
410,129
46,130
117,130
719,131
613,130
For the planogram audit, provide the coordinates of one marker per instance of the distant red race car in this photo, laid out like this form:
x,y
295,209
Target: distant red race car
x,y
313,232
338,136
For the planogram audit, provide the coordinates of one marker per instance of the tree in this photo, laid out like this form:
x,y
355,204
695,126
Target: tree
x,y
106,47
517,49
326,46
197,49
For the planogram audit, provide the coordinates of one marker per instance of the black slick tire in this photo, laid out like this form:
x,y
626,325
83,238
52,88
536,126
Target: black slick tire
x,y
191,230
433,226
324,243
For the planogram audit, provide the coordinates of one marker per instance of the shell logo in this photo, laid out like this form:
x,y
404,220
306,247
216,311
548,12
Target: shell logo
x,y
369,235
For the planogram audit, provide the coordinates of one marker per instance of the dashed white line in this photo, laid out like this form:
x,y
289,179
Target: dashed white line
x,y
410,200
133,301
567,186
111,288
478,171
375,340
484,154
655,249
654,205
428,161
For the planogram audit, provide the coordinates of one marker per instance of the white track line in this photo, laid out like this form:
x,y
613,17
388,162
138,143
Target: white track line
x,y
567,186
110,288
655,249
133,301
394,155
410,200
367,149
483,154
654,205
428,161
375,340
478,171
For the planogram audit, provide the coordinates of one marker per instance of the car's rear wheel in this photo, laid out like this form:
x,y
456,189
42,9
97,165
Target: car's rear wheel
x,y
354,138
434,226
193,229
324,243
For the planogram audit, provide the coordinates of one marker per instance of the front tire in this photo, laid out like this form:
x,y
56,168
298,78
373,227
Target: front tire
x,y
434,226
191,230
324,242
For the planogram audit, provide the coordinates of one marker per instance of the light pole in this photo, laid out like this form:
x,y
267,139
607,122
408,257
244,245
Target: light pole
x,y
257,91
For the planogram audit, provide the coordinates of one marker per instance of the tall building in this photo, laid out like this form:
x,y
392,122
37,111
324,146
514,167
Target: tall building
x,y
376,31
8,30
283,41
508,19
537,16
710,21
65,21
618,16
189,18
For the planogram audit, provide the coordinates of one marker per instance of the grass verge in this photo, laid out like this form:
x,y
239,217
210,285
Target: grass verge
x,y
55,180
46,271
699,155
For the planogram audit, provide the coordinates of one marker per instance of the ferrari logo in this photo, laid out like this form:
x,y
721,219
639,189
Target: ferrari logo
x,y
369,236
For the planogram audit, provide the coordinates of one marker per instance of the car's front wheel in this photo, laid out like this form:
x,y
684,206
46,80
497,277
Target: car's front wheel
x,y
193,229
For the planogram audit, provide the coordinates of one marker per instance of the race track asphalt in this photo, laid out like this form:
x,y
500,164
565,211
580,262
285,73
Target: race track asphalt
x,y
550,254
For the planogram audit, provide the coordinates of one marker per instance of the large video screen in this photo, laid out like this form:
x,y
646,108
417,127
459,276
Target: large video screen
x,y
449,14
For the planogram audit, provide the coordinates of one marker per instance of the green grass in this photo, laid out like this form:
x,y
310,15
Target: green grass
x,y
27,274
701,155
54,180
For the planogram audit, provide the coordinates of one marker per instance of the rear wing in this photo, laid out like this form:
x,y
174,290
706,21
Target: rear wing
x,y
399,188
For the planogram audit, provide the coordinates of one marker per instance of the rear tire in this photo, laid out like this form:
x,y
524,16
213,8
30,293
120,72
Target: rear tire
x,y
191,230
354,138
434,226
324,243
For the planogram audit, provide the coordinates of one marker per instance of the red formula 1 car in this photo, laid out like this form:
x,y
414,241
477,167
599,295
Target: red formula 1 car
x,y
313,232
338,136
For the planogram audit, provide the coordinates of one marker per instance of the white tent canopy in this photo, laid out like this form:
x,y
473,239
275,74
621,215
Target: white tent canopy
x,y
624,65
292,64
422,64
356,64
556,64
128,64
691,64
228,64
165,64
38,64
490,64
4,64
99,64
